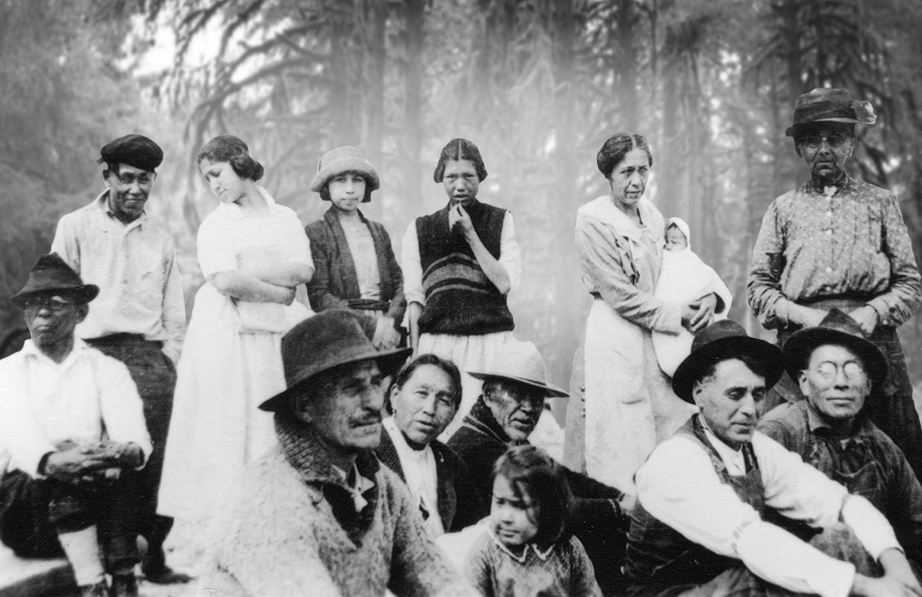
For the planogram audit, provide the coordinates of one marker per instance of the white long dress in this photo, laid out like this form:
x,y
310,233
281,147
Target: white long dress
x,y
231,361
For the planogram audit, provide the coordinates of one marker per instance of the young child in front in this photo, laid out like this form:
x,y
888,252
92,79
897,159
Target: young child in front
x,y
528,551
684,278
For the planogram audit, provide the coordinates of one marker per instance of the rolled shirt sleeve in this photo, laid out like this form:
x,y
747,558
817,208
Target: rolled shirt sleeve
x,y
174,309
764,285
510,255
412,266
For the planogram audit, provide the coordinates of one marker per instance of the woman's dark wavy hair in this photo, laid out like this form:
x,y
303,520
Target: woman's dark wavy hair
x,y
406,372
231,149
531,471
616,147
460,149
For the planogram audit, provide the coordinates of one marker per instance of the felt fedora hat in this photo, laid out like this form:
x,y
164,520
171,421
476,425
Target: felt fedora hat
x,y
841,330
51,276
324,341
523,365
344,159
720,341
825,104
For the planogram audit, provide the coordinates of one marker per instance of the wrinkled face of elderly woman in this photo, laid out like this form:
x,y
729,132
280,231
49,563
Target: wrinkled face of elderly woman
x,y
628,179
825,146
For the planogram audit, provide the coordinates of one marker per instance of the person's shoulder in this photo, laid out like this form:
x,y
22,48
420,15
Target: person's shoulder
x,y
786,414
82,213
673,454
12,363
595,208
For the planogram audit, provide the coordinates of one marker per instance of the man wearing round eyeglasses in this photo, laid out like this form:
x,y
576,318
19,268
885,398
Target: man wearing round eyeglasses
x,y
839,242
139,317
836,369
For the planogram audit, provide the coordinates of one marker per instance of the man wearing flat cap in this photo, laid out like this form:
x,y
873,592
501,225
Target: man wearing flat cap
x,y
140,316
838,242
836,369
504,415
699,525
72,440
320,515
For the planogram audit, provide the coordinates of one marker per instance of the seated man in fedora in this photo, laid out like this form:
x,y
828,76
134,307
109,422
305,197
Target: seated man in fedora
x,y
320,515
837,368
839,242
698,526
505,414
72,437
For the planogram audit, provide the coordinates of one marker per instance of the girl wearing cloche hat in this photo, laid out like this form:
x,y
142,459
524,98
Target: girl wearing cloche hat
x,y
355,264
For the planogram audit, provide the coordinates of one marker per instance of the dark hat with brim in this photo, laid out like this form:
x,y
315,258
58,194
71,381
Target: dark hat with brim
x,y
134,150
838,329
326,340
721,341
829,105
522,364
52,276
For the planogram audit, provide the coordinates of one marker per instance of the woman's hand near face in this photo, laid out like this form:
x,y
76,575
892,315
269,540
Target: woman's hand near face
x,y
458,219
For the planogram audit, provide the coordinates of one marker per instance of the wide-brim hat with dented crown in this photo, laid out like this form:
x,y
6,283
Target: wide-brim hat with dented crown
x,y
829,105
52,276
326,340
839,329
344,159
721,341
522,364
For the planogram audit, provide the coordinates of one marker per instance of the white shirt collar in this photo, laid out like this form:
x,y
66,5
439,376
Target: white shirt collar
x,y
29,349
732,459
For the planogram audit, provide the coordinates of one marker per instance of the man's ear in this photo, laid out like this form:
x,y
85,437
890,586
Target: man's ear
x,y
697,391
82,311
105,176
803,383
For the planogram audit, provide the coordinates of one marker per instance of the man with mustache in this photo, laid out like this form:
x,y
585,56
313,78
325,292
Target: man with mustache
x,y
320,515
836,369
72,440
699,526
838,242
140,315
505,414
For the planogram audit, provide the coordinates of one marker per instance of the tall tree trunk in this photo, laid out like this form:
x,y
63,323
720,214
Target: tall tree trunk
x,y
415,12
375,23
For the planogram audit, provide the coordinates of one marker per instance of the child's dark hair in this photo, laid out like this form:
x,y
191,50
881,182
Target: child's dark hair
x,y
544,481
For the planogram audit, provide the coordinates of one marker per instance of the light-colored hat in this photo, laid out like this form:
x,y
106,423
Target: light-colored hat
x,y
522,365
343,159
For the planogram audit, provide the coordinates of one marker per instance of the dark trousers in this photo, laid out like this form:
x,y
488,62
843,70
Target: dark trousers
x,y
34,511
155,376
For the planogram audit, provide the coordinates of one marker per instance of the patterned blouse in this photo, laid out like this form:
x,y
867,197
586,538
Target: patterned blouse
x,y
847,241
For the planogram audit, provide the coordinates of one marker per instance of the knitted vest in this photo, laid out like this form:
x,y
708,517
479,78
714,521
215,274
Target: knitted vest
x,y
460,299
658,555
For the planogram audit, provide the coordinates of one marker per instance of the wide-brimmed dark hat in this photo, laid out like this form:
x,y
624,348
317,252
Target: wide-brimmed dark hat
x,y
829,105
522,364
52,276
324,341
841,330
134,150
344,159
720,341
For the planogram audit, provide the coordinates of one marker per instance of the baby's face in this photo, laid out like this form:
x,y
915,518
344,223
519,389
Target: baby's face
x,y
675,240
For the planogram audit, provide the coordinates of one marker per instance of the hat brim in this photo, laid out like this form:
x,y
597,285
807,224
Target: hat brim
x,y
801,344
389,361
794,129
347,165
767,357
548,390
80,294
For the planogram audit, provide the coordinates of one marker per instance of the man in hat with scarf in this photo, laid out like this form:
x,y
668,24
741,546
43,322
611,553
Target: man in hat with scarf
x,y
140,316
320,515
838,242
72,440
698,526
836,369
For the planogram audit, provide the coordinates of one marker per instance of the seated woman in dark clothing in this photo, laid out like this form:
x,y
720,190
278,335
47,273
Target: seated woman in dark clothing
x,y
354,261
423,399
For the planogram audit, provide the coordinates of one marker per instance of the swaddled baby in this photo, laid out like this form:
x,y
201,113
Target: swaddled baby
x,y
684,278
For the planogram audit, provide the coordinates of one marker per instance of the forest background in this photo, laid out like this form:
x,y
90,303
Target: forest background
x,y
538,85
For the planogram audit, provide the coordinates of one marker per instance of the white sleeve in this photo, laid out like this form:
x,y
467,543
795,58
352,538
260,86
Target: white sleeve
x,y
121,406
870,526
174,308
412,268
66,243
23,440
510,255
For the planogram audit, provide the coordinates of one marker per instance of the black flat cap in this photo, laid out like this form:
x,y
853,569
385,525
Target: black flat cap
x,y
134,150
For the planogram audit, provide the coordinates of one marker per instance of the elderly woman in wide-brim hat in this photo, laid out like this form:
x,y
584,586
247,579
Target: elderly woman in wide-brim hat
x,y
355,264
839,242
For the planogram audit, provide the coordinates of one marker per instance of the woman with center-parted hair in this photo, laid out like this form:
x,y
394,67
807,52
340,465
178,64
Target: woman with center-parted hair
x,y
253,254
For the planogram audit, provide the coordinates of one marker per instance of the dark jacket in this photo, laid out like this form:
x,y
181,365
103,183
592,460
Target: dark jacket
x,y
335,284
459,504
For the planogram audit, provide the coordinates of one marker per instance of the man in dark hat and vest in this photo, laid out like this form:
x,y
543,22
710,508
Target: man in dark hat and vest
x,y
838,242
505,414
72,440
698,526
836,369
140,316
320,515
